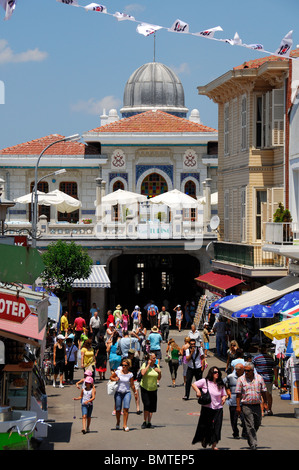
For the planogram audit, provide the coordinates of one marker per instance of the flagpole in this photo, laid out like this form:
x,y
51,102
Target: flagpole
x,y
154,46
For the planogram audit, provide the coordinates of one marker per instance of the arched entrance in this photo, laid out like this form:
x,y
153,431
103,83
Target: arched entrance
x,y
166,279
153,185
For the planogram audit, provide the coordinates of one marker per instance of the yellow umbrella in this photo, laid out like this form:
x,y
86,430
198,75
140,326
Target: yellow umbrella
x,y
283,329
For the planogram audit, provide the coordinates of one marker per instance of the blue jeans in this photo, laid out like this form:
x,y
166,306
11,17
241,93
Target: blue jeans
x,y
122,400
86,410
221,346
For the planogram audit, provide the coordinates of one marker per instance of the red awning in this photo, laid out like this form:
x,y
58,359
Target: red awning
x,y
217,281
27,329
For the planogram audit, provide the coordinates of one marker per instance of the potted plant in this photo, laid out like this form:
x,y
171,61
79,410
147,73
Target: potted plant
x,y
87,221
283,216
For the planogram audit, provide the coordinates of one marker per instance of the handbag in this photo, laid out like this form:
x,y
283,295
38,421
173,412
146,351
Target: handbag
x,y
205,398
111,387
168,357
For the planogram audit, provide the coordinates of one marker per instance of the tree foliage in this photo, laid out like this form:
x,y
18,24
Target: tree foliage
x,y
65,262
281,214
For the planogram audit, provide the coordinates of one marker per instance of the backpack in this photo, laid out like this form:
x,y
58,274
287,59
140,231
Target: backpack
x,y
152,311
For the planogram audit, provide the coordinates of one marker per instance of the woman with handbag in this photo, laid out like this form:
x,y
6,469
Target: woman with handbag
x,y
172,357
209,425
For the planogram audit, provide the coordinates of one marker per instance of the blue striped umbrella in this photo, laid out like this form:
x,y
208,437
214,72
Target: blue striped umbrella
x,y
257,311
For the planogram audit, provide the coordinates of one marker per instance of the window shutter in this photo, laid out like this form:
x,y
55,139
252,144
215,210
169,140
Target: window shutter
x,y
277,117
244,123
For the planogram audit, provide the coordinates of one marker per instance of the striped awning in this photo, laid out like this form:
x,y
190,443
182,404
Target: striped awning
x,y
97,278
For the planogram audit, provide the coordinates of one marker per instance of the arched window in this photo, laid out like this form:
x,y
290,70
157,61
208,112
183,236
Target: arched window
x,y
190,189
118,185
71,189
42,210
153,185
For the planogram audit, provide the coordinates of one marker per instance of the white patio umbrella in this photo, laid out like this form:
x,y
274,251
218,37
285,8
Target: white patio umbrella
x,y
120,196
62,201
214,199
175,198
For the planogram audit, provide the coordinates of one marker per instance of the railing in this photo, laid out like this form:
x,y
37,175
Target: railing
x,y
281,233
247,255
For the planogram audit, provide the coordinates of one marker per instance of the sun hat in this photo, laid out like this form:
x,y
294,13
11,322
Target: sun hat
x,y
88,372
155,329
89,380
60,337
137,307
118,306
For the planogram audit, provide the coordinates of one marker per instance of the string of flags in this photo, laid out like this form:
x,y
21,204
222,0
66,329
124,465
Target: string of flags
x,y
178,27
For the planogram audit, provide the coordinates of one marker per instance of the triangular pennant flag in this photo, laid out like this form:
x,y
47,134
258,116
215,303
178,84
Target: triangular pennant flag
x,y
123,16
69,2
208,33
179,27
9,6
147,29
96,7
285,45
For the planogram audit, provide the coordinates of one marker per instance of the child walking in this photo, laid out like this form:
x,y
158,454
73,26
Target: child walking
x,y
87,397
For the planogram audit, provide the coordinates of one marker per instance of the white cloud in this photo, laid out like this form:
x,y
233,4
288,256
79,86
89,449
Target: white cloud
x,y
93,106
133,8
7,55
183,68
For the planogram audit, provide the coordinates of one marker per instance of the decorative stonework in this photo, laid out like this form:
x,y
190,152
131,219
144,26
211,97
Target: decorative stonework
x,y
118,160
190,160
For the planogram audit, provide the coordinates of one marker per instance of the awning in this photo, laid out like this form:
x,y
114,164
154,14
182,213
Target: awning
x,y
25,332
261,295
220,282
97,278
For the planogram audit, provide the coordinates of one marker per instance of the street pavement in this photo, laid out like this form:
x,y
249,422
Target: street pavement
x,y
174,423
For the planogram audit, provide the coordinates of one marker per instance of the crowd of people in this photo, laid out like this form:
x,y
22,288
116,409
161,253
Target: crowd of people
x,y
129,354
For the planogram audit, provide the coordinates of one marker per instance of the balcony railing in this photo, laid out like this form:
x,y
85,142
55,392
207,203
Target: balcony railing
x,y
281,233
247,255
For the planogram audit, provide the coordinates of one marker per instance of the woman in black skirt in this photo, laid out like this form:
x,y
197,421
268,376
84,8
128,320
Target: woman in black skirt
x,y
209,426
101,357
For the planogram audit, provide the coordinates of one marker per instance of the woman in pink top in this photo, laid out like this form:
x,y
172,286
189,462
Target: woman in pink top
x,y
209,426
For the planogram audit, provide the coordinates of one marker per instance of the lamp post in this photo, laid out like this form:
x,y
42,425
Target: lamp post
x,y
71,138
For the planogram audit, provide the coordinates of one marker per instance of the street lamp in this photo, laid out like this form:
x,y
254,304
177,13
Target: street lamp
x,y
71,138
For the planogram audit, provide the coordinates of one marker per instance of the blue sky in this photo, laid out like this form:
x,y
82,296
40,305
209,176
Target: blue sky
x,y
62,65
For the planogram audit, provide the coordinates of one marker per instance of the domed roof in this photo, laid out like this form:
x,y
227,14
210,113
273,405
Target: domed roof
x,y
154,86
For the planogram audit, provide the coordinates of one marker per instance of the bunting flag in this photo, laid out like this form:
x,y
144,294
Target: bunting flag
x,y
96,7
179,27
147,29
9,6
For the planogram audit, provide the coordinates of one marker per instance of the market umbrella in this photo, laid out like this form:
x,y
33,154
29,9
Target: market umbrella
x,y
175,198
286,302
283,329
62,201
120,196
214,305
257,311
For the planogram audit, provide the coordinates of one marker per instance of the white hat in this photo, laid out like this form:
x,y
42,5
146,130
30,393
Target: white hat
x,y
111,324
60,337
137,307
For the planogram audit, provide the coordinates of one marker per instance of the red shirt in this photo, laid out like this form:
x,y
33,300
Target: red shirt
x,y
79,323
110,319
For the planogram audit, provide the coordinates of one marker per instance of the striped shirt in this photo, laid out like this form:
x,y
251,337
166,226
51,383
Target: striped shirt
x,y
264,365
251,390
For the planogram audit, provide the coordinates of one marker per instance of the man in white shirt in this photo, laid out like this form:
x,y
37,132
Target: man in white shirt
x,y
196,364
94,326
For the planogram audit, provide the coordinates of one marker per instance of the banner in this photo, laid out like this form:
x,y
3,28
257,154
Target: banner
x,y
9,6
147,29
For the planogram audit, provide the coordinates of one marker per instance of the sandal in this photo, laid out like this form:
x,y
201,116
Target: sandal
x,y
126,429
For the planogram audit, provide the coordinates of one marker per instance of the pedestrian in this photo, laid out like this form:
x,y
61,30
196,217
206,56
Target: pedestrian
x,y
94,326
184,348
194,333
152,314
122,395
125,320
64,324
110,318
164,323
79,325
220,329
206,338
101,357
71,354
59,360
230,384
87,397
117,314
209,426
93,309
151,374
155,340
88,357
196,364
134,368
266,366
188,319
239,358
141,332
128,341
174,353
178,317
231,355
87,373
109,331
114,358
250,390
136,317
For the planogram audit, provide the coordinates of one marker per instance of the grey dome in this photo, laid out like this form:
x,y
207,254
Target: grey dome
x,y
154,86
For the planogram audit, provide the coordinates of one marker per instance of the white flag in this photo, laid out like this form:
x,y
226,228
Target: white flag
x,y
208,33
147,29
179,27
123,16
69,2
257,47
233,42
96,7
285,46
9,6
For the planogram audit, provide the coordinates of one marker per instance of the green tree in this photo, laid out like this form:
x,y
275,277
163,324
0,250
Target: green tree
x,y
65,262
281,214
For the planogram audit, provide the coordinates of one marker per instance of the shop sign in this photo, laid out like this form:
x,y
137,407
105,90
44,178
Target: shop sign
x,y
13,308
